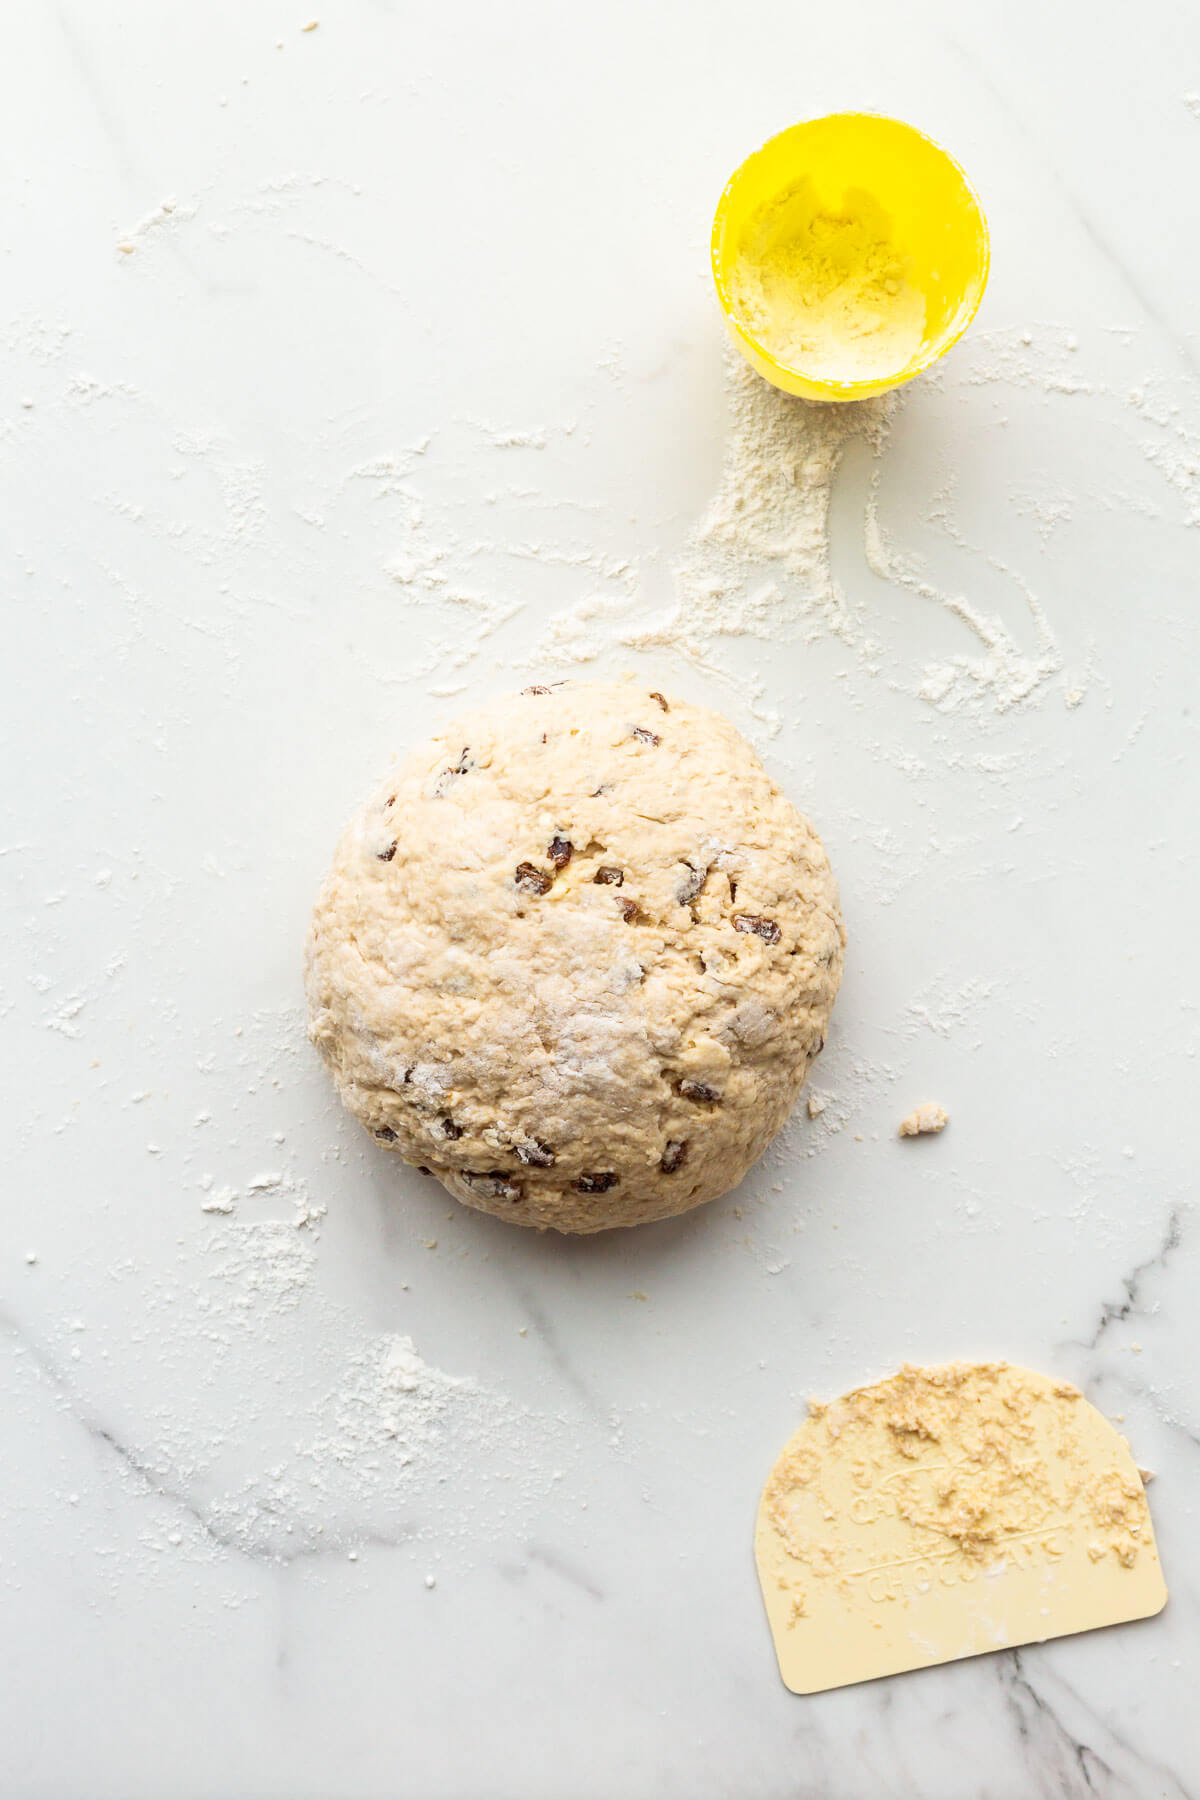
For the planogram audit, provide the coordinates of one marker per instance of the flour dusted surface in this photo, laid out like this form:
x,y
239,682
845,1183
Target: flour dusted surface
x,y
576,957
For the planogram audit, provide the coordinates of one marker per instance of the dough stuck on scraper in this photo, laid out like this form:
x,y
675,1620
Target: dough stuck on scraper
x,y
576,956
945,1512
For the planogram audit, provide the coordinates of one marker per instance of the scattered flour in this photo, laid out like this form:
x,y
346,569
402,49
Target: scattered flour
x,y
1173,444
1166,408
222,1383
944,1008
781,458
294,1431
770,517
850,1097
757,565
292,1434
167,212
371,1453
770,513
1002,677
758,562
265,1264
223,1201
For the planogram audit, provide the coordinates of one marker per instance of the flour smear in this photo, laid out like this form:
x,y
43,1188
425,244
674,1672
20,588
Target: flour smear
x,y
759,564
292,1434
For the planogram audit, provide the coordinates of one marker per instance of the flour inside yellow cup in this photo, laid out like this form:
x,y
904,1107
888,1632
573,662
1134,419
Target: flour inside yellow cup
x,y
849,253
828,291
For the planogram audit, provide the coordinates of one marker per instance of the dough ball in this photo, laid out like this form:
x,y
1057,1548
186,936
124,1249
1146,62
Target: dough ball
x,y
575,957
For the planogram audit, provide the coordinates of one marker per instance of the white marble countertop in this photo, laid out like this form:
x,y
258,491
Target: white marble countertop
x,y
408,380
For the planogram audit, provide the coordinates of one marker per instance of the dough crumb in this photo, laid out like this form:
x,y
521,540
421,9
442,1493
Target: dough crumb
x,y
816,1105
924,1119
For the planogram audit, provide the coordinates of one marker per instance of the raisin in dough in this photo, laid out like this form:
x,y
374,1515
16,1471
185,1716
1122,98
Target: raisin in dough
x,y
576,956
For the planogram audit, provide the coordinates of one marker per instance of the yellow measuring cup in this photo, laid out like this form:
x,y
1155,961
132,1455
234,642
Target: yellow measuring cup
x,y
846,173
